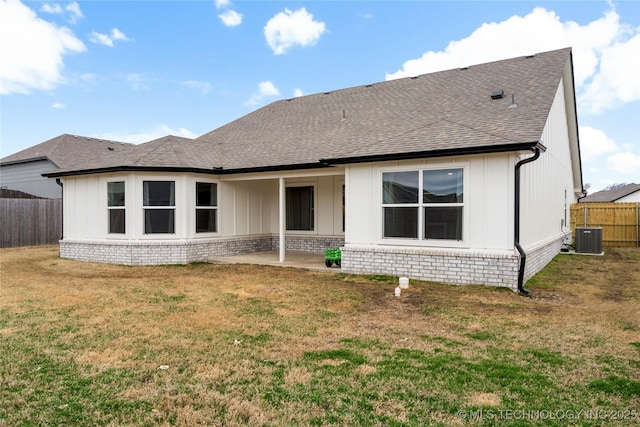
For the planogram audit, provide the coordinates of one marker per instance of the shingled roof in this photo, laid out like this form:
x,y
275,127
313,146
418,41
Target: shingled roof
x,y
444,113
605,196
67,151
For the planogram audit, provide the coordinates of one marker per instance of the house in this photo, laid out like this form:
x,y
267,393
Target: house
x,y
626,194
462,176
23,170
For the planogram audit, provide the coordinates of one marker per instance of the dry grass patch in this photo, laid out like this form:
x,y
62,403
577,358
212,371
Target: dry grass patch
x,y
84,343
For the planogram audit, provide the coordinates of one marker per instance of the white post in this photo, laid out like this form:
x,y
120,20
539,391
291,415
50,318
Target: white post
x,y
282,217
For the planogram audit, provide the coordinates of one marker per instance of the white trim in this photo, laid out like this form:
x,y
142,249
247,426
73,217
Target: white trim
x,y
282,217
193,205
313,184
420,241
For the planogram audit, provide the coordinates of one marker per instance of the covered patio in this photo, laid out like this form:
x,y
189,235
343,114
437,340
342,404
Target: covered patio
x,y
307,261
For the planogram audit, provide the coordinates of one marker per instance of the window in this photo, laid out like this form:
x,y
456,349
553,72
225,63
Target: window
x,y
116,207
159,207
436,215
206,207
300,210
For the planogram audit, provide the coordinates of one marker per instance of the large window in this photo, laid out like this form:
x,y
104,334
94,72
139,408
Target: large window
x,y
116,207
437,214
159,207
206,207
300,210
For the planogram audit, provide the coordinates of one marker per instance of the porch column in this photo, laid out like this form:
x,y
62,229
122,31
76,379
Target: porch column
x,y
282,217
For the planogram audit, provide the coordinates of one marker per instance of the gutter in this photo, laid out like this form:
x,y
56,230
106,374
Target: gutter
x,y
516,228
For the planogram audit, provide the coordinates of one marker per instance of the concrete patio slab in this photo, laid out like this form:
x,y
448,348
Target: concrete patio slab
x,y
292,259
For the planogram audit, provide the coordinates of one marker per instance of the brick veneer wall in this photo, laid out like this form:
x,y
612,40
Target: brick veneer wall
x,y
150,252
457,267
538,256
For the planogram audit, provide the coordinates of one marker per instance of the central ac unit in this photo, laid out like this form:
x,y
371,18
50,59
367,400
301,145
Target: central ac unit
x,y
589,240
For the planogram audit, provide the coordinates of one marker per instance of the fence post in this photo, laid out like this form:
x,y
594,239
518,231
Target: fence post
x,y
637,227
585,216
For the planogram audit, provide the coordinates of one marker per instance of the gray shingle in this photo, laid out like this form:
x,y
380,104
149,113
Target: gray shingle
x,y
605,196
447,110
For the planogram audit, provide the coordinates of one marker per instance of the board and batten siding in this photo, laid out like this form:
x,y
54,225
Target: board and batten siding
x,y
245,207
547,190
26,177
488,199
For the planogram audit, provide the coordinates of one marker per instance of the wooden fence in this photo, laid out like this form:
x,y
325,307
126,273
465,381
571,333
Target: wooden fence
x,y
26,222
620,222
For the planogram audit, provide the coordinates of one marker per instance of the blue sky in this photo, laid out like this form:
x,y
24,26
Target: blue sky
x,y
134,71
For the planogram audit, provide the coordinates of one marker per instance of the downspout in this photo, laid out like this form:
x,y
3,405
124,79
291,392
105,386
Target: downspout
x,y
516,231
59,182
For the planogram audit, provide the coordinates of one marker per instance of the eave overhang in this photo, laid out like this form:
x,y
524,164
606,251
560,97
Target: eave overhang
x,y
504,148
322,163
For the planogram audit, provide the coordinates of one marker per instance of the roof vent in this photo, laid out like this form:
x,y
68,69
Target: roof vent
x,y
529,56
497,94
464,68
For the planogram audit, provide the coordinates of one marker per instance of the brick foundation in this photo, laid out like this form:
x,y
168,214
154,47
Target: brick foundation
x,y
459,267
151,252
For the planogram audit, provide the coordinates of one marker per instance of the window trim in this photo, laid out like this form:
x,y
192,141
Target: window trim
x,y
117,207
216,208
314,185
420,205
159,207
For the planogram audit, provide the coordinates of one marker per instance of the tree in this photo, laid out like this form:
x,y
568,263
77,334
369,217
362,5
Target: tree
x,y
614,186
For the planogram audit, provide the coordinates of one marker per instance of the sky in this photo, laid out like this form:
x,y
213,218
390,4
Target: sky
x,y
134,71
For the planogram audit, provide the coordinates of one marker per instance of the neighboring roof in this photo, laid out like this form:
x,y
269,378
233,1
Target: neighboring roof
x,y
66,151
445,113
16,194
605,196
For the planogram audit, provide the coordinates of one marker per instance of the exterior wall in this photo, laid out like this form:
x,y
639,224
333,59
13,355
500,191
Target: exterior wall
x,y
538,256
184,252
547,192
26,177
458,267
247,219
630,198
488,195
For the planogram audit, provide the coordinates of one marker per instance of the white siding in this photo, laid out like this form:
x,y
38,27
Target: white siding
x,y
633,197
245,207
26,177
544,207
488,202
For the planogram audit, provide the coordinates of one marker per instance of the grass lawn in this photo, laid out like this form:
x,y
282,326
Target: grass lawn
x,y
204,344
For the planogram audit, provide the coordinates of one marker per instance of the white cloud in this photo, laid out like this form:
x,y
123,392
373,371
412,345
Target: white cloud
x,y
605,53
156,132
298,93
55,9
265,89
108,39
221,4
31,49
288,29
616,81
203,87
625,163
594,143
138,81
231,18
57,105
76,13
